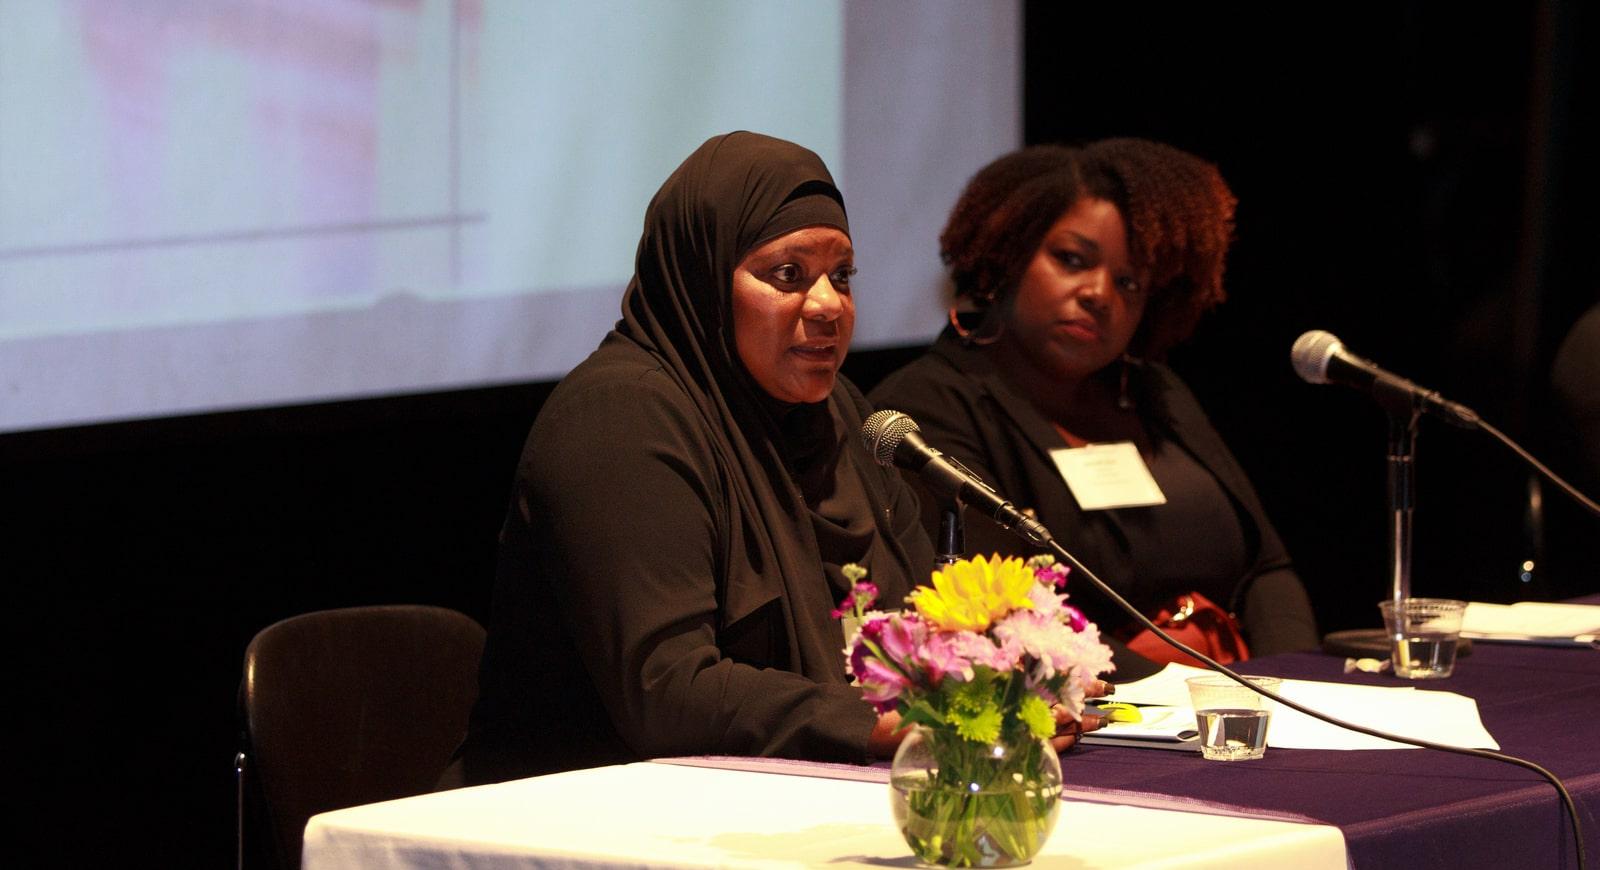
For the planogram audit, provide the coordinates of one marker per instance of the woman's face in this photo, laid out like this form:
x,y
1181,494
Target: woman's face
x,y
792,312
1081,299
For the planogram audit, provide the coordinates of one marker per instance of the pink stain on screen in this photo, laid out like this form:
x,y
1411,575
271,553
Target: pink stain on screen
x,y
309,108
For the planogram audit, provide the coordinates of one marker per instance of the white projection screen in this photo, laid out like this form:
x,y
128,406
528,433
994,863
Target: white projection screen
x,y
223,204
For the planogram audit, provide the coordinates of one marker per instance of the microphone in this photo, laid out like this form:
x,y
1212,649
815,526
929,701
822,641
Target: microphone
x,y
1320,358
893,439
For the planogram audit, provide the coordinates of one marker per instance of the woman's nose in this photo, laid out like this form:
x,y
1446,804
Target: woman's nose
x,y
822,301
1096,288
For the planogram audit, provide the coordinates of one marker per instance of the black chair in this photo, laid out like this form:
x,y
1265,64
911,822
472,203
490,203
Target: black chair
x,y
351,706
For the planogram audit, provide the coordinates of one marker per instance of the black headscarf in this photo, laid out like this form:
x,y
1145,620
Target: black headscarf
x,y
733,193
798,494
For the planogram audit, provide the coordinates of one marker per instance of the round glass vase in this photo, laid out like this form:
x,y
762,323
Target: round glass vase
x,y
964,804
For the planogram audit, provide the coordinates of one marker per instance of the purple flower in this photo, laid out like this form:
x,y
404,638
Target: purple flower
x,y
1075,618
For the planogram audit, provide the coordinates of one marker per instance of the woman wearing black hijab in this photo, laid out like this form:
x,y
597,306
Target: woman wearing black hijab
x,y
688,494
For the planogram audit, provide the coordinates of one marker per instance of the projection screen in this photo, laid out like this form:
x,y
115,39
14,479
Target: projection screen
x,y
243,203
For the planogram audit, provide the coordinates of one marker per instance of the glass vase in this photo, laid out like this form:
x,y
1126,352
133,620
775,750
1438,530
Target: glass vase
x,y
960,803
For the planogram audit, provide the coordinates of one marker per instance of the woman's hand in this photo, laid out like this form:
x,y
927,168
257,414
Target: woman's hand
x,y
1069,729
886,736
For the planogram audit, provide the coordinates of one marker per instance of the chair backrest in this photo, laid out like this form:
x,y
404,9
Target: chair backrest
x,y
352,706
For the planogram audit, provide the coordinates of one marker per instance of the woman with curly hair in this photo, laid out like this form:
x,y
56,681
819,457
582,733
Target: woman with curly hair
x,y
1076,270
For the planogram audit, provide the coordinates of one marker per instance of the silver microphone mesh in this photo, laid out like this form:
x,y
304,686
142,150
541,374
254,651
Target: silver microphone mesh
x,y
1311,353
882,433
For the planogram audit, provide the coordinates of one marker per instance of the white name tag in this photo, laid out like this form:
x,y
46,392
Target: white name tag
x,y
1105,476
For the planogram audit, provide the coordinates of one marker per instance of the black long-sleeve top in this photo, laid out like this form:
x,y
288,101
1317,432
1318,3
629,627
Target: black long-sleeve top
x,y
966,409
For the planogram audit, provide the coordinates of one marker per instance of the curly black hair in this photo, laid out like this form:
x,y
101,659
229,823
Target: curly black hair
x,y
1177,209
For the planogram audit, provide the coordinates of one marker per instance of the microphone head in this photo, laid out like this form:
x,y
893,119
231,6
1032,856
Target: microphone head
x,y
1311,353
882,433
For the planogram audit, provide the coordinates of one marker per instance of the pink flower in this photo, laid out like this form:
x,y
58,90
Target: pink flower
x,y
900,636
1041,637
943,656
1052,576
881,684
871,630
861,596
1075,618
1045,601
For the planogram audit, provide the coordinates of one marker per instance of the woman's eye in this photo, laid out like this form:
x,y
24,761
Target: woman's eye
x,y
788,273
1071,259
1129,287
841,277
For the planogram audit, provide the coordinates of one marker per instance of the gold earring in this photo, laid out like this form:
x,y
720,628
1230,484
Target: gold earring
x,y
1124,401
976,337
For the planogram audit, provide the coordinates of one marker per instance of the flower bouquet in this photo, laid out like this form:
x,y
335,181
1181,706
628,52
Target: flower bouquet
x,y
976,664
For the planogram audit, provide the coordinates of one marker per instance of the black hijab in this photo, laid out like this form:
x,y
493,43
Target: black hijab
x,y
797,506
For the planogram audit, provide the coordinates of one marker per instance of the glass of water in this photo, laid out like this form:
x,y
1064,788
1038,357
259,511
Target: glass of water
x,y
1233,719
1422,635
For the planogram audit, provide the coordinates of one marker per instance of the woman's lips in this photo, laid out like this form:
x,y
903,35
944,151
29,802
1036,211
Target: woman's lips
x,y
1082,330
815,352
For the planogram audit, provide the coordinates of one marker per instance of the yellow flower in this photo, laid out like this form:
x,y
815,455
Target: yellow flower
x,y
973,593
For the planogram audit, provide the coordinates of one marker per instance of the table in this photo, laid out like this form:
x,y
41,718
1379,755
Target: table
x,y
1409,808
653,814
1414,807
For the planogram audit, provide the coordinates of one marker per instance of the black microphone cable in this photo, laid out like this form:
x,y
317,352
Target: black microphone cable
x,y
1538,466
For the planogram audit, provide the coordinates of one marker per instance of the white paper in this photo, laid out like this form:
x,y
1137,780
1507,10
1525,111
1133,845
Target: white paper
x,y
1438,716
1532,621
1165,687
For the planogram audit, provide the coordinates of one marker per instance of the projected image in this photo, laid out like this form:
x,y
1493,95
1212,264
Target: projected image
x,y
227,160
249,202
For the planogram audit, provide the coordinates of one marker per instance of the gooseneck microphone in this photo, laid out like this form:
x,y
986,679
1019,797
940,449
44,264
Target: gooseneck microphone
x,y
1320,358
893,439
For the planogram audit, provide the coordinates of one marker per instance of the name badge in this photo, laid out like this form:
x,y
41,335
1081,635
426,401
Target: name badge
x,y
1105,476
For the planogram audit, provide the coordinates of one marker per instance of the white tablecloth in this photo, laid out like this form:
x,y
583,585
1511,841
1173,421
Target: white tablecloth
x,y
665,815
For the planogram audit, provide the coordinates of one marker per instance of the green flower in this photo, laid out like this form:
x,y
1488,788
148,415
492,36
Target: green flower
x,y
982,726
1035,713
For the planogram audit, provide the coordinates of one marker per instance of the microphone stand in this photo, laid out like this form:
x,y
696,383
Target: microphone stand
x,y
1405,409
1402,496
952,541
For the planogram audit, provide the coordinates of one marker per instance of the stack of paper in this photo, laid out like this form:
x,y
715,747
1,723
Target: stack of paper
x,y
1440,717
1533,622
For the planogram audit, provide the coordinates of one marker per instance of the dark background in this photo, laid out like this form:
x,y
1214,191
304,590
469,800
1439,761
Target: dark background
x,y
1413,178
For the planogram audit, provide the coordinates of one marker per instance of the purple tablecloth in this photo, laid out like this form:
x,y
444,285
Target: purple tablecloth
x,y
1415,807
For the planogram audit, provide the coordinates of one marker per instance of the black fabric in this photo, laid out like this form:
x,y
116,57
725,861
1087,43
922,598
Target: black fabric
x,y
966,409
661,587
1210,564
